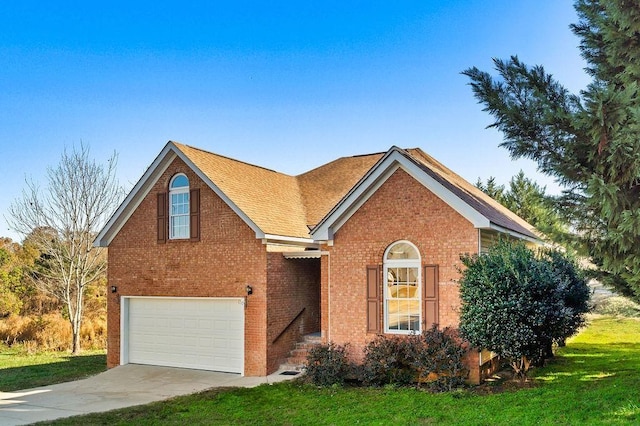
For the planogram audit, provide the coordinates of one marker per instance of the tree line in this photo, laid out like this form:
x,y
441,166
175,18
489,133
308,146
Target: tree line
x,y
589,142
57,260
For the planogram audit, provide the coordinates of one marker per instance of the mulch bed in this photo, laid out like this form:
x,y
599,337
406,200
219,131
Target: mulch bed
x,y
503,381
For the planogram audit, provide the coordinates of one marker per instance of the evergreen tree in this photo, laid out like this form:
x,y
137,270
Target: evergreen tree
x,y
492,189
589,142
529,200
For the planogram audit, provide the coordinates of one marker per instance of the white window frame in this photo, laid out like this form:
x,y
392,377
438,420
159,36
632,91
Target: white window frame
x,y
183,216
402,263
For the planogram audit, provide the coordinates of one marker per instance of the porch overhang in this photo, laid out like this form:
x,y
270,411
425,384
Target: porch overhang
x,y
307,254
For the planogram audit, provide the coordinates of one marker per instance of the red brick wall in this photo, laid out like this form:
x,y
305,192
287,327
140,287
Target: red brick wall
x,y
292,285
401,209
226,259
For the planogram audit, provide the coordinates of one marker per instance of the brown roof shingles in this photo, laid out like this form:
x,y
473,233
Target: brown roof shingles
x,y
270,199
323,187
473,196
285,205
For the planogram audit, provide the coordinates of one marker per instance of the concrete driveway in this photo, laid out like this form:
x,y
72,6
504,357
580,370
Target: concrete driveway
x,y
119,387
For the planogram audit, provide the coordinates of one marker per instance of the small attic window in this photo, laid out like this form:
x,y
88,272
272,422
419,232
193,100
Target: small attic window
x,y
402,250
179,181
179,207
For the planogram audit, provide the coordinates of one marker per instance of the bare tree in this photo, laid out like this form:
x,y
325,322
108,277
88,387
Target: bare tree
x,y
62,220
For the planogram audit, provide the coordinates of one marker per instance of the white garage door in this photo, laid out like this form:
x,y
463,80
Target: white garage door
x,y
206,334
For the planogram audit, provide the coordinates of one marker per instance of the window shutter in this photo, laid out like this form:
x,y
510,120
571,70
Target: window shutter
x,y
162,213
194,212
430,296
374,299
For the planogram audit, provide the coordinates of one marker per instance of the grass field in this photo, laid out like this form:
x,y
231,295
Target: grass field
x,y
594,380
20,370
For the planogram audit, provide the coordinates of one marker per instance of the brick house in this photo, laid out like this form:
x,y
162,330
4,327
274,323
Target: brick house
x,y
222,265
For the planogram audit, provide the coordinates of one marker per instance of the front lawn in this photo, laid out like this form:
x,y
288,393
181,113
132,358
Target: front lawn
x,y
20,370
595,380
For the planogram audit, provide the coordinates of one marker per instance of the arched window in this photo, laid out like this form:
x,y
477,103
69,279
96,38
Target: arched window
x,y
402,290
179,207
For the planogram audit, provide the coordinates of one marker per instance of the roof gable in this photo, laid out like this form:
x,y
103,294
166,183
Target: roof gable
x,y
496,213
141,189
469,201
279,206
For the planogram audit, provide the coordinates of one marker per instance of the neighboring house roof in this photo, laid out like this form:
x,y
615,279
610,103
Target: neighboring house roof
x,y
279,206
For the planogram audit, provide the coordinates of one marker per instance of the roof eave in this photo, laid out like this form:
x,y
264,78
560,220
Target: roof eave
x,y
144,185
516,234
135,196
394,158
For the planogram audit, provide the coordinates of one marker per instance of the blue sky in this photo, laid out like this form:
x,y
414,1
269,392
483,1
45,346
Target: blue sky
x,y
287,85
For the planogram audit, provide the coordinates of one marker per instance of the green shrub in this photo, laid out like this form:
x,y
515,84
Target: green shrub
x,y
433,358
327,365
390,360
440,359
517,304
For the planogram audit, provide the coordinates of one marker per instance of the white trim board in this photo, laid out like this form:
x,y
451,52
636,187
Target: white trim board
x,y
378,175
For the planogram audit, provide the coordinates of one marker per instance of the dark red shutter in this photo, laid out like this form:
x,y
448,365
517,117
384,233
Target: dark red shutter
x,y
162,224
194,212
430,296
374,299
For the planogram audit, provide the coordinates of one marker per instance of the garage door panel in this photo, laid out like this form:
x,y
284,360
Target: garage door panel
x,y
191,333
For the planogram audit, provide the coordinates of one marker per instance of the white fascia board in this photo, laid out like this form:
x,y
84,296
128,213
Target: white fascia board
x,y
259,233
273,237
282,240
374,180
350,208
144,185
465,210
325,229
514,233
135,196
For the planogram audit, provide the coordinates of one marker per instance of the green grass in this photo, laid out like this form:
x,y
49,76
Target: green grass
x,y
20,370
594,380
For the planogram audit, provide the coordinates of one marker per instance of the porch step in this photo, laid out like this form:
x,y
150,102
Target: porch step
x,y
298,355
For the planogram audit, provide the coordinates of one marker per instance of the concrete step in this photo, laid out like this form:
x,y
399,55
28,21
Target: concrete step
x,y
290,367
298,355
313,338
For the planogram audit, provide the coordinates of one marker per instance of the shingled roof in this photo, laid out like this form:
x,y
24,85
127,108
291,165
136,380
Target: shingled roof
x,y
272,200
277,204
473,196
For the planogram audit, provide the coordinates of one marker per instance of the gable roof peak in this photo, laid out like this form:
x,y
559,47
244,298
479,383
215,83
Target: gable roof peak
x,y
182,147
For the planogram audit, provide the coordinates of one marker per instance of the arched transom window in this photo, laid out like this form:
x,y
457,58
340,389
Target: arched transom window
x,y
179,207
402,313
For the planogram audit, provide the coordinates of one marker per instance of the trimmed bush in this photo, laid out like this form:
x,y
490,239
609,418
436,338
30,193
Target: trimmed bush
x,y
390,360
517,304
327,365
440,360
433,358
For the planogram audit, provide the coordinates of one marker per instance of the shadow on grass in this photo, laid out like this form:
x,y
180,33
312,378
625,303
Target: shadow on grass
x,y
584,362
61,368
601,379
